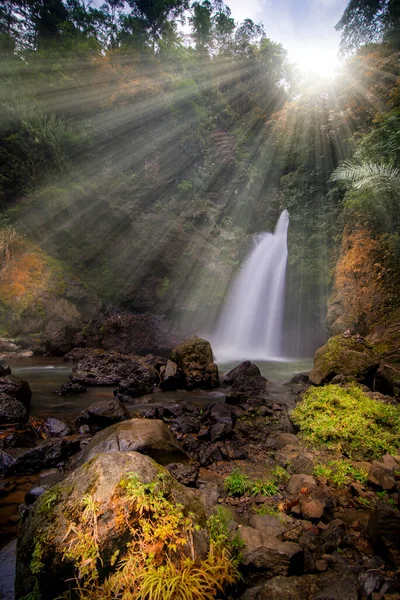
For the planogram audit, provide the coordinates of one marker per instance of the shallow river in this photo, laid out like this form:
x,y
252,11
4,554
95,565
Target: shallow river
x,y
46,374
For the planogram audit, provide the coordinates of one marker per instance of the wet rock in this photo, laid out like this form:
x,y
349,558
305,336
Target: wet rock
x,y
7,570
77,354
250,386
300,378
244,369
299,482
16,388
49,477
195,360
12,411
33,494
341,356
141,383
4,370
70,388
218,431
387,380
298,458
264,551
381,476
334,536
151,437
311,509
46,454
284,439
55,428
185,474
101,367
103,413
170,376
384,531
45,529
340,584
186,424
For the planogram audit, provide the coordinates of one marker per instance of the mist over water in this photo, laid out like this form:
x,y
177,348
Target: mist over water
x,y
251,322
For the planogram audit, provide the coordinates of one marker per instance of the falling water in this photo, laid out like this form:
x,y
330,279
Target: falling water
x,y
250,326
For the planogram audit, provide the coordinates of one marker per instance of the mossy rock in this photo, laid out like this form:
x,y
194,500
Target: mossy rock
x,y
54,526
344,356
194,358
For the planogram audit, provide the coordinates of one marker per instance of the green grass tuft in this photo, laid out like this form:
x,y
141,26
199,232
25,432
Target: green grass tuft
x,y
348,421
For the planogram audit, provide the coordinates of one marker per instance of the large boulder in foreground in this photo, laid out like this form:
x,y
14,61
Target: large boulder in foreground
x,y
194,359
344,356
115,491
151,437
102,367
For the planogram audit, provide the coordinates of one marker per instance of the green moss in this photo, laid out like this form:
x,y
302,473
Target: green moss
x,y
348,421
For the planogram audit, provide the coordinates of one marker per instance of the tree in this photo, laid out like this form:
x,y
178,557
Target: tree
x,y
368,21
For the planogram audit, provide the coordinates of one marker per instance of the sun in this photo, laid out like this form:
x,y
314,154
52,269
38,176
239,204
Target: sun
x,y
317,61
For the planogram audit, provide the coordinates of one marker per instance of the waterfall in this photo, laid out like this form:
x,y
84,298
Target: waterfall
x,y
250,325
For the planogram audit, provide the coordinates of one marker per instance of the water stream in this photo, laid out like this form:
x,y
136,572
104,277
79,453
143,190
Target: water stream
x,y
250,326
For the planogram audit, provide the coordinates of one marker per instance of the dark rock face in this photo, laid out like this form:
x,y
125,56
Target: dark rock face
x,y
16,388
4,370
103,414
130,333
43,456
185,474
45,527
262,550
387,379
55,428
246,381
244,369
101,367
11,410
344,356
33,494
194,358
151,437
170,376
384,531
69,389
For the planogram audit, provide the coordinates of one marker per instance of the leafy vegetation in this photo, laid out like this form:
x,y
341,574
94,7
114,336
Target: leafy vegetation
x,y
238,484
348,421
160,561
340,472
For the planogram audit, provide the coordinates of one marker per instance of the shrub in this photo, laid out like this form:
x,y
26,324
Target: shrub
x,y
159,563
348,421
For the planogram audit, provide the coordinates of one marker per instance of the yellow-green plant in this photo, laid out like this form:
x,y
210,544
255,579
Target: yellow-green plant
x,y
159,561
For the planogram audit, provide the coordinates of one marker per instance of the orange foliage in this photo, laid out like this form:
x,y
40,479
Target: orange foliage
x,y
358,276
23,276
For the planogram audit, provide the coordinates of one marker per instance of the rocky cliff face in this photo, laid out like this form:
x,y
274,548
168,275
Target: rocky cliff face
x,y
42,303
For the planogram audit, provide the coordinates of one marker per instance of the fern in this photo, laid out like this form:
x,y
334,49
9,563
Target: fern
x,y
368,175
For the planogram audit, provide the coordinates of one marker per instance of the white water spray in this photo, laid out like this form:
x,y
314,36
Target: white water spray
x,y
250,326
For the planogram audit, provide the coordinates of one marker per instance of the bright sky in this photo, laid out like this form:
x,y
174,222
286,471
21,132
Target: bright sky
x,y
304,27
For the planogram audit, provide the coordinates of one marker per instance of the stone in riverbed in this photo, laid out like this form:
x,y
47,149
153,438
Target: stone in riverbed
x,y
12,411
70,388
194,358
151,437
55,428
16,388
49,453
44,531
262,550
244,369
102,367
103,413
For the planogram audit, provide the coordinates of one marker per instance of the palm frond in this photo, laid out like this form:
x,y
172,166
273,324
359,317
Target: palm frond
x,y
368,175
